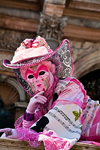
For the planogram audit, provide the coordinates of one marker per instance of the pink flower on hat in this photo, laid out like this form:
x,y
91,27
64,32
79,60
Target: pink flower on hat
x,y
28,43
31,43
30,49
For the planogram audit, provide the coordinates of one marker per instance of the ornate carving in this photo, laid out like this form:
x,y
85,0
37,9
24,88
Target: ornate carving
x,y
10,40
51,26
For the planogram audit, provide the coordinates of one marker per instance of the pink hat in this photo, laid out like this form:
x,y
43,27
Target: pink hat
x,y
32,52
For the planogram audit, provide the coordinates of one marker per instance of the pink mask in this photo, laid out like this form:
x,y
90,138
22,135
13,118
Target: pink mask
x,y
38,79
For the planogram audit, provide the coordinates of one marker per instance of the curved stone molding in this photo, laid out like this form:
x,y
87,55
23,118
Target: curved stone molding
x,y
87,63
86,57
80,49
13,83
8,93
16,84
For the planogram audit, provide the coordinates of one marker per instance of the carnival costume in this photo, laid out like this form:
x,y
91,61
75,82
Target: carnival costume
x,y
60,113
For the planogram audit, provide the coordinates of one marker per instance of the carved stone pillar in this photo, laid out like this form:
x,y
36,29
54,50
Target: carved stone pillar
x,y
51,26
52,22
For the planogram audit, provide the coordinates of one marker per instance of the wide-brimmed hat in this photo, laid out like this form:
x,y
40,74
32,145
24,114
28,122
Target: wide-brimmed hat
x,y
32,52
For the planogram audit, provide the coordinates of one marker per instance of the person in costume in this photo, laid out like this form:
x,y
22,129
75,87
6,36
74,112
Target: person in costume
x,y
59,113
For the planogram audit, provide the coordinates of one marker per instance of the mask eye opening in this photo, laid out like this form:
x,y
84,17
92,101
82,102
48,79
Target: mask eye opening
x,y
41,73
30,76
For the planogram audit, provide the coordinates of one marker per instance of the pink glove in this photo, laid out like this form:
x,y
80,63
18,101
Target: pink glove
x,y
34,101
10,133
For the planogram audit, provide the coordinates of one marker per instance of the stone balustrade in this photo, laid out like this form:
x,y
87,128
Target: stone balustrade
x,y
12,144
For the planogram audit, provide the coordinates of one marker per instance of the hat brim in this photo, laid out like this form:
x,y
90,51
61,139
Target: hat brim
x,y
61,57
64,53
26,62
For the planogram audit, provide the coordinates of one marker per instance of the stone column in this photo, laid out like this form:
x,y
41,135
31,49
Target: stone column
x,y
52,22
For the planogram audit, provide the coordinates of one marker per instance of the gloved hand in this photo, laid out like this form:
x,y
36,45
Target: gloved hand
x,y
34,101
10,134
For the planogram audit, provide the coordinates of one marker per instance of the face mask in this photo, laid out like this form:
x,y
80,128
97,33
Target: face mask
x,y
38,78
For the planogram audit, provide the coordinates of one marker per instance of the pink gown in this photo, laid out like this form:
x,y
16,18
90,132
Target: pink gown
x,y
73,117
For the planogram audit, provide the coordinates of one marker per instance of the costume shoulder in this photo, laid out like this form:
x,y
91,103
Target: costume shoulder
x,y
62,84
72,90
